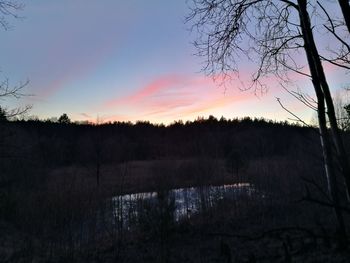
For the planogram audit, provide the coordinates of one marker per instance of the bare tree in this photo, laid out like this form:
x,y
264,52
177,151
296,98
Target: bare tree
x,y
7,91
273,35
9,9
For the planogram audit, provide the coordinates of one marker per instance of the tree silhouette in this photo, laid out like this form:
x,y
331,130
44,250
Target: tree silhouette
x,y
64,119
3,116
10,9
7,91
272,34
347,121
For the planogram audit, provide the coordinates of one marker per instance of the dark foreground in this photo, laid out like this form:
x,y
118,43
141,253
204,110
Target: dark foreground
x,y
62,187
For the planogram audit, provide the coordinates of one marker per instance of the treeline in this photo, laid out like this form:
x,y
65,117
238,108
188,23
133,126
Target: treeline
x,y
67,143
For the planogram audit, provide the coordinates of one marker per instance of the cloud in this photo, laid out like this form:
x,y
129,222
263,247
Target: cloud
x,y
172,97
145,92
85,115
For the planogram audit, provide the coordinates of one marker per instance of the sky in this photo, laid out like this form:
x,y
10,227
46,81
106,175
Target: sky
x,y
126,61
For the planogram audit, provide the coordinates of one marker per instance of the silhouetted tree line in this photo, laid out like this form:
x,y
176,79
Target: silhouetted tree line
x,y
32,149
65,143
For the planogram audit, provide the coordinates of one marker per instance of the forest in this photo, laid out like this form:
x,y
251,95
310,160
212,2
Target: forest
x,y
254,189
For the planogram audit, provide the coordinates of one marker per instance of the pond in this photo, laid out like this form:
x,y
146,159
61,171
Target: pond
x,y
180,203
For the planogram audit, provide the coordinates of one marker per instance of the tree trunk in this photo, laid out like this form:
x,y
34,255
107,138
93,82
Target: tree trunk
x,y
329,168
345,8
319,83
336,137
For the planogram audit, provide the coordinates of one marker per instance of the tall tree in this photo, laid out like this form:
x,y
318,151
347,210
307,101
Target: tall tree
x,y
272,34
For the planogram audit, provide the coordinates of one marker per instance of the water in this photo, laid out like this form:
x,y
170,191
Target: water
x,y
181,203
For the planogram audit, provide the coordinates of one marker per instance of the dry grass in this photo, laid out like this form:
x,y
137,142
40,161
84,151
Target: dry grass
x,y
143,176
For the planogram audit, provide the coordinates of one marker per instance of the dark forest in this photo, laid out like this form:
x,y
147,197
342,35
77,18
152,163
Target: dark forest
x,y
64,186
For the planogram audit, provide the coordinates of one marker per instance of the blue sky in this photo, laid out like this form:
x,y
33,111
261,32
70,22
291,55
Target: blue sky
x,y
124,60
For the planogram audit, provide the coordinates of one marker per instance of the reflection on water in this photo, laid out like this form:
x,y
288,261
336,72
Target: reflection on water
x,y
182,202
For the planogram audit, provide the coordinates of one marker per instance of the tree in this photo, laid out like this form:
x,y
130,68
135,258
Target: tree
x,y
64,119
272,34
7,91
347,108
9,9
3,116
347,121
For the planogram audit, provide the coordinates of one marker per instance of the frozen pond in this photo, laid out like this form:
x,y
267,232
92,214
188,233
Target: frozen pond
x,y
180,203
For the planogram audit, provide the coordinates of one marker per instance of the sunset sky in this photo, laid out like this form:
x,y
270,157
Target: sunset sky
x,y
127,61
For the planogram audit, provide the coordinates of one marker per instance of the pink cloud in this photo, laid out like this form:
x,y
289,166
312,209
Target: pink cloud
x,y
61,82
210,105
147,91
55,86
172,97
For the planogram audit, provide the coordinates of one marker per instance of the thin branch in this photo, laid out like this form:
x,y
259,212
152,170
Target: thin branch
x,y
299,96
7,91
332,61
291,113
9,8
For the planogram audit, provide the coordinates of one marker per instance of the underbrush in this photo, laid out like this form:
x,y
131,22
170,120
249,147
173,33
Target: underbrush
x,y
68,218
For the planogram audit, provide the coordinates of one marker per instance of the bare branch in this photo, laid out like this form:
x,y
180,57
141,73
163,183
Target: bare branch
x,y
291,4
291,113
333,61
342,58
305,99
9,9
7,91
